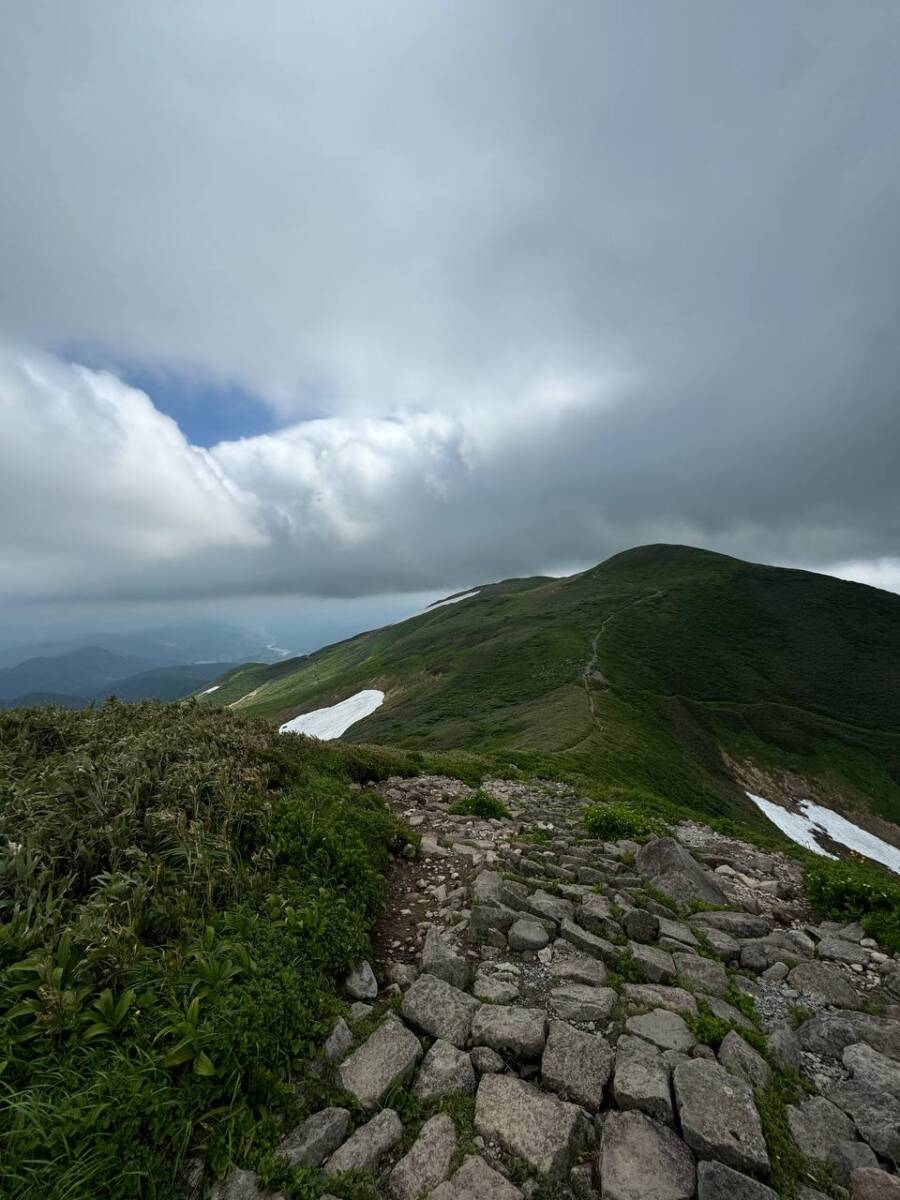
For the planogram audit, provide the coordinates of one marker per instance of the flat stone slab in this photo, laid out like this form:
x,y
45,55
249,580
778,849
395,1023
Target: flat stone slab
x,y
570,966
389,1054
719,1118
444,1071
654,995
643,1160
868,1066
475,1180
441,959
829,1033
576,1065
580,1002
316,1138
428,1162
641,1084
701,974
439,1009
365,1149
511,1030
589,943
676,873
529,1124
553,908
527,934
741,1060
869,1184
715,1181
655,964
361,983
816,1125
825,983
876,1115
662,1028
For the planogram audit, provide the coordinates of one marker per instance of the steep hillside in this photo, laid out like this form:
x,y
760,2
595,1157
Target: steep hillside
x,y
665,667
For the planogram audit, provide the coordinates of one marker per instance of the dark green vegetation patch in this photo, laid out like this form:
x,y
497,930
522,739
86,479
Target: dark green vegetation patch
x,y
179,889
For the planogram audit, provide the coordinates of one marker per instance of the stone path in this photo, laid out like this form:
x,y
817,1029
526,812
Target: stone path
x,y
549,999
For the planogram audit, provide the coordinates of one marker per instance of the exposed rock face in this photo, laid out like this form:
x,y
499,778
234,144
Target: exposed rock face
x,y
428,1162
643,1160
368,1146
715,1181
641,1082
316,1138
445,1070
576,1065
388,1055
673,870
741,1060
825,983
439,1009
875,1114
719,1118
520,1032
868,1066
816,1125
529,1124
663,1029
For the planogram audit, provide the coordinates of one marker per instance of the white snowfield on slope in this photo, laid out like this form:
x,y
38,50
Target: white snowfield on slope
x,y
331,722
813,821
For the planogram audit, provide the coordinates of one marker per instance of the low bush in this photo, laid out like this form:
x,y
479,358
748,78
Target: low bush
x,y
621,814
845,890
179,890
480,804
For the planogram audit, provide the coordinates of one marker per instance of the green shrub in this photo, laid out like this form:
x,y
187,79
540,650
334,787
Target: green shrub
x,y
611,820
179,890
480,804
845,890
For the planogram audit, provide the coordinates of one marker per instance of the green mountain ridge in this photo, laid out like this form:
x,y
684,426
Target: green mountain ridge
x,y
666,667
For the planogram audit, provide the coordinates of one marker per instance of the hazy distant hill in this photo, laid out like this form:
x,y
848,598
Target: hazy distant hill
x,y
643,670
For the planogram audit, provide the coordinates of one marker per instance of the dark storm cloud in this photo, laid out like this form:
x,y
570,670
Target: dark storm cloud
x,y
554,280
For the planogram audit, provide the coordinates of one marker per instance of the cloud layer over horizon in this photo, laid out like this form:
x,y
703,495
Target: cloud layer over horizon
x,y
521,286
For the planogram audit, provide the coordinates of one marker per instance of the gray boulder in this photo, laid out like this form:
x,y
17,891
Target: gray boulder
x,y
737,924
715,1181
552,908
643,1160
784,1049
741,1060
640,925
428,1162
527,934
876,1115
664,1029
719,1118
520,1032
486,1061
868,1066
579,1002
576,1065
824,983
672,869
838,950
339,1040
869,1184
316,1138
242,1185
440,959
440,1010
846,1157
529,1124
655,964
827,1034
595,915
816,1125
388,1055
655,995
569,966
641,1083
368,1146
361,983
475,1180
701,974
589,943
445,1070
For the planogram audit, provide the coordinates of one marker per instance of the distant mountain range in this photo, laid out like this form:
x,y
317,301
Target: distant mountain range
x,y
675,669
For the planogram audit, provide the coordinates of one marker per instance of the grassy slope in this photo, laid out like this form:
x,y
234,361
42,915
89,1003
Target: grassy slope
x,y
699,650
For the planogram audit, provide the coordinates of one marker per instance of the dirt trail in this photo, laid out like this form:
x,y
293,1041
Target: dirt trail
x,y
591,673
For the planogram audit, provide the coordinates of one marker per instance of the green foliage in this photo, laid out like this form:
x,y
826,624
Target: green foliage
x,y
626,970
709,1030
853,891
613,820
179,889
790,1169
480,804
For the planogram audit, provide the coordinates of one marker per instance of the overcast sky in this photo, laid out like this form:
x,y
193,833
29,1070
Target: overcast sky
x,y
354,299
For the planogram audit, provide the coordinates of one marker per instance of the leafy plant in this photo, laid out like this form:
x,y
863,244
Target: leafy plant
x,y
480,804
853,891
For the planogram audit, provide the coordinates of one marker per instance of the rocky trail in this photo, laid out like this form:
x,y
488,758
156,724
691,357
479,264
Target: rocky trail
x,y
550,1015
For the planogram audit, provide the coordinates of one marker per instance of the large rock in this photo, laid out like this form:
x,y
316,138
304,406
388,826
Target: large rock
x,y
784,1048
643,1160
827,1034
361,983
243,1185
868,1066
339,1040
655,964
527,934
741,1060
876,1115
715,1181
428,1162
576,1065
672,869
520,1032
737,924
589,943
846,1157
529,1124
816,1125
439,1009
316,1138
641,1083
640,925
838,950
445,1070
655,995
701,974
664,1029
439,958
718,1117
595,914
475,1180
824,983
579,1002
552,908
388,1055
868,1184
368,1146
570,966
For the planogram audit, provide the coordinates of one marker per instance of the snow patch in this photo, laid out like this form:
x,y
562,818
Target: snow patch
x,y
331,722
452,600
814,821
215,687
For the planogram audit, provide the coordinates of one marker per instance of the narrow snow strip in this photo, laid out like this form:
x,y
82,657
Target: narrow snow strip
x,y
328,723
215,687
813,821
452,600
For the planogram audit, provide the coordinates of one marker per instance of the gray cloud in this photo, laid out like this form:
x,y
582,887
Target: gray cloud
x,y
524,284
